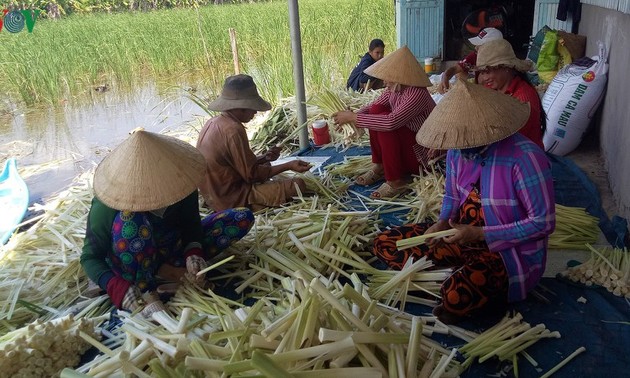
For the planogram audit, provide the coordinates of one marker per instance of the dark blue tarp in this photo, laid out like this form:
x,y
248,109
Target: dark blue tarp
x,y
598,325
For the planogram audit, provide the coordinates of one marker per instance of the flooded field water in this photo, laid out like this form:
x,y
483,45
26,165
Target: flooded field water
x,y
54,145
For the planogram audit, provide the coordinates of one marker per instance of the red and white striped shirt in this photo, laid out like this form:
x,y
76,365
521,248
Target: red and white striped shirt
x,y
410,108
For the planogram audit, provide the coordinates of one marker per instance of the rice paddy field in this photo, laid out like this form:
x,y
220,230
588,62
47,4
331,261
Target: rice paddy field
x,y
62,60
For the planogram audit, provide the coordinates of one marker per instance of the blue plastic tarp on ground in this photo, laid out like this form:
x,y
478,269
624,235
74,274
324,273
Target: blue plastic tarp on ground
x,y
596,325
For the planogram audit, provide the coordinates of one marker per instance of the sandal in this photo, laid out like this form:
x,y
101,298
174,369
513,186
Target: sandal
x,y
368,178
388,191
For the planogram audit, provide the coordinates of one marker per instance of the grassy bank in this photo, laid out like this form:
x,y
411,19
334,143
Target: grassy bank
x,y
64,59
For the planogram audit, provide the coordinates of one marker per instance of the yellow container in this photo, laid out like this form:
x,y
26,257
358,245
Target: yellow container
x,y
428,65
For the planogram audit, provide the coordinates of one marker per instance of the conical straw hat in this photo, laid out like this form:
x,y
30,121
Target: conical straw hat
x,y
400,67
148,171
470,115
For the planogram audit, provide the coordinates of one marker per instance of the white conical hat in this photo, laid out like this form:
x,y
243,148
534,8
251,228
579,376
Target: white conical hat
x,y
148,171
471,115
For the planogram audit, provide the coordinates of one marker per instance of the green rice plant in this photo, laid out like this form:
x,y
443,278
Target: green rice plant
x,y
67,58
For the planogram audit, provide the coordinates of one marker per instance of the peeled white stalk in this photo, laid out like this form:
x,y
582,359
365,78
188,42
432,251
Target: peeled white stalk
x,y
563,362
414,344
422,239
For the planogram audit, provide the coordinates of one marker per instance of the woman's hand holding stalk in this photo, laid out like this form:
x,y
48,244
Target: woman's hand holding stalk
x,y
195,264
440,225
344,117
465,233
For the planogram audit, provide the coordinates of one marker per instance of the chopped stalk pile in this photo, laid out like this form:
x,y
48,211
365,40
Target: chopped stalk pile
x,y
607,267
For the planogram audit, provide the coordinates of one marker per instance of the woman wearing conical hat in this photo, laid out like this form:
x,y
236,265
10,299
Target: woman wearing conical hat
x,y
393,120
499,202
144,222
498,68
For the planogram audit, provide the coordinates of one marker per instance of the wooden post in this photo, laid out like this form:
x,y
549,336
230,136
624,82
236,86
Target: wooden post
x,y
237,68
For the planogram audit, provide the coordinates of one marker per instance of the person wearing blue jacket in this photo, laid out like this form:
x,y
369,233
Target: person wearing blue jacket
x,y
358,80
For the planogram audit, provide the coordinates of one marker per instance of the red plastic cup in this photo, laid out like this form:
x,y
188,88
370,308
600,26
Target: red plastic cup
x,y
320,132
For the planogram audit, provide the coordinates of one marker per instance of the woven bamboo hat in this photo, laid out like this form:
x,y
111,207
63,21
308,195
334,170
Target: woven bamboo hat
x,y
500,53
148,171
239,92
471,115
400,67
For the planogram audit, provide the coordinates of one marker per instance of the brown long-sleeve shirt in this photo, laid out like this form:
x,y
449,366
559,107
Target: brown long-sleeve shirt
x,y
232,167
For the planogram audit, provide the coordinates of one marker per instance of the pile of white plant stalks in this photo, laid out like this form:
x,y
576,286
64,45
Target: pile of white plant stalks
x,y
281,126
309,301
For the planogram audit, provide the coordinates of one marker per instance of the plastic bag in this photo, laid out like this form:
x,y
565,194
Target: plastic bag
x,y
548,57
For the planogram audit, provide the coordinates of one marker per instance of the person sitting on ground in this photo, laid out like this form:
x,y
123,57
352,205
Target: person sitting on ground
x,y
235,176
407,103
358,79
144,221
467,65
500,69
499,201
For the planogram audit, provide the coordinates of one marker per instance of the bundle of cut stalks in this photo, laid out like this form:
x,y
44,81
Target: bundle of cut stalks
x,y
330,102
607,267
506,341
422,203
574,228
397,288
356,100
281,125
332,189
428,192
42,349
